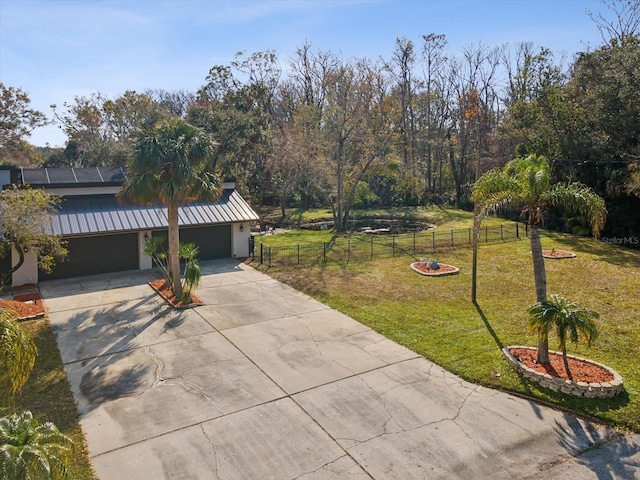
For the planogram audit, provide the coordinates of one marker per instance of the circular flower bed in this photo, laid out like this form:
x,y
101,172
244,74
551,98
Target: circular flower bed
x,y
423,268
590,379
557,254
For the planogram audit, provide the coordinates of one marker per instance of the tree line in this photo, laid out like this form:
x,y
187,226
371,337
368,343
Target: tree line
x,y
319,130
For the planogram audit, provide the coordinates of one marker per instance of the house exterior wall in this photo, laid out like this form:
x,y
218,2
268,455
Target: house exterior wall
x,y
240,246
28,272
145,262
105,236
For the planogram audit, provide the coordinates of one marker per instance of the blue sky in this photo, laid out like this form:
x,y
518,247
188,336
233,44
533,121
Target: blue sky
x,y
56,50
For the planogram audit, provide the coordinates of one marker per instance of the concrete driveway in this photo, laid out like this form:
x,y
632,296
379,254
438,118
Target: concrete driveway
x,y
264,382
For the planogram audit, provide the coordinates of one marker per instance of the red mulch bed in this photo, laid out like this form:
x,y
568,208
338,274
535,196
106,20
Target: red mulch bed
x,y
165,290
424,268
581,371
28,305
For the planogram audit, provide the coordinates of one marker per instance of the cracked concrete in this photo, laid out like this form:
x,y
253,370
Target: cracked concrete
x,y
264,382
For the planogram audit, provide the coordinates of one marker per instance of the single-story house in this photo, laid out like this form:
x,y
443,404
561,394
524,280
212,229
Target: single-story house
x,y
103,235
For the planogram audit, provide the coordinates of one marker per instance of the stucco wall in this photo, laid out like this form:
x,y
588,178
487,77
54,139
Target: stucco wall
x,y
240,242
28,272
145,262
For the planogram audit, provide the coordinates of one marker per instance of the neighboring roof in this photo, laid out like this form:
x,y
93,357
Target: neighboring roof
x,y
77,177
101,214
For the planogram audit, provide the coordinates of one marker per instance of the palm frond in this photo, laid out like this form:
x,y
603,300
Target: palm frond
x,y
570,320
18,353
29,449
577,198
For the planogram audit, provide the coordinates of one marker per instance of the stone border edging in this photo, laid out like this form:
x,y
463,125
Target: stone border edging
x,y
437,274
577,389
566,254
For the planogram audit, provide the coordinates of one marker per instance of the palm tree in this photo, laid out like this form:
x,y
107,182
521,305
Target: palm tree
x,y
170,166
569,319
17,355
30,450
526,183
192,273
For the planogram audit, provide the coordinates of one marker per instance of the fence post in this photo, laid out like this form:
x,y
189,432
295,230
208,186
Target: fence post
x,y
433,240
486,234
298,254
269,256
469,236
261,253
371,247
501,232
324,252
517,230
452,237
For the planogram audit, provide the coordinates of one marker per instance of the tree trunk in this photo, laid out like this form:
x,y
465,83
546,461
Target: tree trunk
x,y
540,279
6,277
283,206
566,363
174,245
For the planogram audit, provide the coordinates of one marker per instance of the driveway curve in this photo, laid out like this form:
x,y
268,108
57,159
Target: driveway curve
x,y
264,382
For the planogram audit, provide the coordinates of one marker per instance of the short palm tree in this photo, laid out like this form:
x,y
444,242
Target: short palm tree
x,y
526,183
170,166
569,320
154,247
192,272
30,450
18,355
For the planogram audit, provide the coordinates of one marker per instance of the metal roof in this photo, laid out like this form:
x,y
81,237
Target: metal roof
x,y
100,214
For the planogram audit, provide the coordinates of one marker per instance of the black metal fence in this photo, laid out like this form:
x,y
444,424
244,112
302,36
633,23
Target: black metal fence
x,y
361,247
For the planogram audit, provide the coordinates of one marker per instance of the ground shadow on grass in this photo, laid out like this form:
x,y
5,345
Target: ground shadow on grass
x,y
490,329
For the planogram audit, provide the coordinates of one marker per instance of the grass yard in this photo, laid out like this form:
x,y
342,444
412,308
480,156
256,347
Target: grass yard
x,y
48,396
443,217
435,317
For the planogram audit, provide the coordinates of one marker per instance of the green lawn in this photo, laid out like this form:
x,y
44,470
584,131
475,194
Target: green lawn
x,y
435,317
445,220
48,396
440,216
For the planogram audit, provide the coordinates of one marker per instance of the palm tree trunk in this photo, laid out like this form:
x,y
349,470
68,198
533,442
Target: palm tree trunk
x,y
174,245
540,279
566,363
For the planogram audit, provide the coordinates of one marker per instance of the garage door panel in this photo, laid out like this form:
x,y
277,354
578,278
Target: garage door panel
x,y
97,254
212,241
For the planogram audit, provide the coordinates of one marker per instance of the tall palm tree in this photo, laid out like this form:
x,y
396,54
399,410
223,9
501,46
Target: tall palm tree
x,y
18,354
170,165
526,183
569,319
30,450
